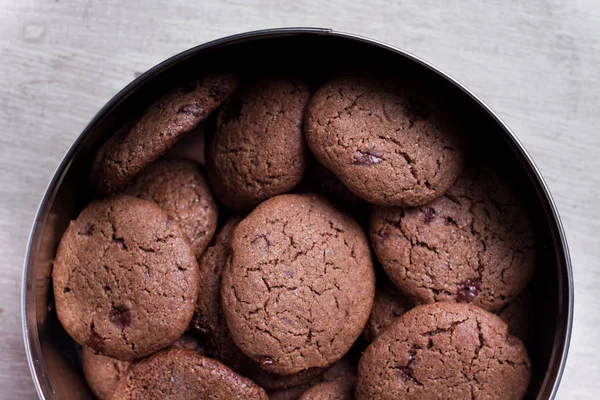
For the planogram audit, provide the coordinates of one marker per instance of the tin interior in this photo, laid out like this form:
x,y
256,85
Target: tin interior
x,y
314,55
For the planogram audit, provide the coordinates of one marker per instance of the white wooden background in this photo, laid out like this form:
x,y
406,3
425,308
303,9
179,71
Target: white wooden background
x,y
536,62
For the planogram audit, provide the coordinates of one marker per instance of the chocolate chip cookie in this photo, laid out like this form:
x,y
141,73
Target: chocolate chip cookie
x,y
184,374
344,369
179,188
103,373
210,323
390,303
392,142
258,149
474,244
129,151
444,351
299,284
125,279
340,389
209,320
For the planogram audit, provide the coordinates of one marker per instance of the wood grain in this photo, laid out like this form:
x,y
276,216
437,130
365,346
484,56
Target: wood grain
x,y
536,62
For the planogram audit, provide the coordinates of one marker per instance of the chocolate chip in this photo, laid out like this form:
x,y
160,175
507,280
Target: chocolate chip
x,y
198,326
261,236
120,317
428,215
95,341
383,237
468,290
67,290
288,273
266,361
169,222
191,109
88,230
368,157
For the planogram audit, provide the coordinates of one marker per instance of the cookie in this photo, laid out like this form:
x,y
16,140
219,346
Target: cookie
x,y
298,287
129,151
389,304
184,374
342,370
340,389
474,244
518,315
292,393
258,149
125,279
387,141
189,342
103,373
179,188
210,323
444,351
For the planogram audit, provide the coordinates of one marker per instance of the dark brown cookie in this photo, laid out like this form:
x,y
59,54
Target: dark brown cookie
x,y
299,284
385,139
125,279
444,351
474,244
189,342
258,149
210,323
184,374
209,320
129,151
103,373
343,369
389,304
291,393
340,389
179,188
518,315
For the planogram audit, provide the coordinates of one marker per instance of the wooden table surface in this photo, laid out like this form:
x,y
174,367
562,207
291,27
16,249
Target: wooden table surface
x,y
536,62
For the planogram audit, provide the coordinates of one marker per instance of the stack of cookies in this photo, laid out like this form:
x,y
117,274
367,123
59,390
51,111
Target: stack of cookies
x,y
337,244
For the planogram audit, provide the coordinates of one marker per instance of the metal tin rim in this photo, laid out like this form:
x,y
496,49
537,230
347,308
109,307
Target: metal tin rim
x,y
37,367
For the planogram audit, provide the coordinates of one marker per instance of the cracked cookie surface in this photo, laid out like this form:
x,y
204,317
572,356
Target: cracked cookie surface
x,y
390,303
258,149
209,321
179,188
444,351
387,142
184,374
474,244
125,279
299,284
131,149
